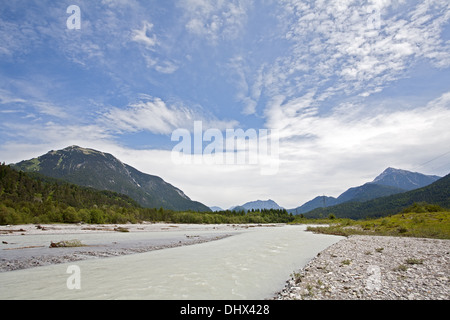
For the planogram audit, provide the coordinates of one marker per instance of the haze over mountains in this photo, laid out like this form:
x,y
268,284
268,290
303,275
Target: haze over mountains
x,y
92,168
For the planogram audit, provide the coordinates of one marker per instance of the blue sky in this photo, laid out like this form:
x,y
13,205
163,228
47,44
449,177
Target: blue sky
x,y
351,88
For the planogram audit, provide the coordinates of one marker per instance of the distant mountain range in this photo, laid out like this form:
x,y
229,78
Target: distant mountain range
x,y
102,171
437,193
391,181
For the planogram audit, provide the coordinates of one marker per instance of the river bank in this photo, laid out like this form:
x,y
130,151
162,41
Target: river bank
x,y
374,268
28,246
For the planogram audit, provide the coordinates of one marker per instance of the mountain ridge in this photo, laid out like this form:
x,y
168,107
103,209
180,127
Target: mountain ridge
x,y
391,181
258,205
437,193
404,179
103,171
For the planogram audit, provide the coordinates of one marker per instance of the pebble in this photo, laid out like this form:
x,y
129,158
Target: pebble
x,y
374,268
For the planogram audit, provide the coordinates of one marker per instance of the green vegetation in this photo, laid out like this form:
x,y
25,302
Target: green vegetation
x,y
420,220
346,262
409,261
32,198
414,261
66,244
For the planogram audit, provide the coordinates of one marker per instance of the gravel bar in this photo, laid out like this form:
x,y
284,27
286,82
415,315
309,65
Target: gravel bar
x,y
374,268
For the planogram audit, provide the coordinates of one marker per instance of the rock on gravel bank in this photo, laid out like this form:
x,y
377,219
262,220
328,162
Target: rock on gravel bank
x,y
375,268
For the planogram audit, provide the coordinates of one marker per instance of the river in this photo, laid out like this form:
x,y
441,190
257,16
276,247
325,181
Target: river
x,y
250,265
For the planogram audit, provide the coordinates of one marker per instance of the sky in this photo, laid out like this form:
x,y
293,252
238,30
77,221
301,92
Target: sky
x,y
324,95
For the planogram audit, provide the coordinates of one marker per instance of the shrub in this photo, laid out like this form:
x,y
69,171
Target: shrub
x,y
66,244
414,261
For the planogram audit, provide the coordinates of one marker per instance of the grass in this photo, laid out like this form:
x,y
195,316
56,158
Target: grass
x,y
414,261
434,225
409,261
346,262
401,267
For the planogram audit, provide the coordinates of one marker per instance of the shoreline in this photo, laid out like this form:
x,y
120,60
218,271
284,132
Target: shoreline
x,y
29,246
374,268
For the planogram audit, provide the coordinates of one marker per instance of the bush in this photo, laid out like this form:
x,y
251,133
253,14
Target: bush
x,y
423,207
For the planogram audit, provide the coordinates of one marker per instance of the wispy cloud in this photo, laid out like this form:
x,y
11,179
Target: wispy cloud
x,y
144,36
156,116
215,20
154,59
7,97
348,49
390,134
30,105
248,85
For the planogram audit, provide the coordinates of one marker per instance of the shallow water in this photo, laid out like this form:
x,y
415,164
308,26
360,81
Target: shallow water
x,y
252,264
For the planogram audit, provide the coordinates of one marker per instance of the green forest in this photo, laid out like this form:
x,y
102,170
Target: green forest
x,y
32,198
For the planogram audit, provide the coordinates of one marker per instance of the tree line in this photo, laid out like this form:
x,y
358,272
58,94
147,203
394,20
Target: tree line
x,y
31,198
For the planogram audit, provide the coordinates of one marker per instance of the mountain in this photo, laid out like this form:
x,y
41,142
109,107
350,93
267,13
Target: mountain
x,y
366,192
33,198
390,181
404,179
215,208
317,202
17,186
261,204
437,193
102,171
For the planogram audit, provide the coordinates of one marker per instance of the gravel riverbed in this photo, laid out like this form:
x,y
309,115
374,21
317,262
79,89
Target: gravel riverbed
x,y
29,246
374,268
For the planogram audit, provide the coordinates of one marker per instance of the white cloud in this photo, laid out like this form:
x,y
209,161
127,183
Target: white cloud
x,y
42,107
215,19
166,67
350,147
6,97
156,116
51,109
143,35
247,94
336,47
152,45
